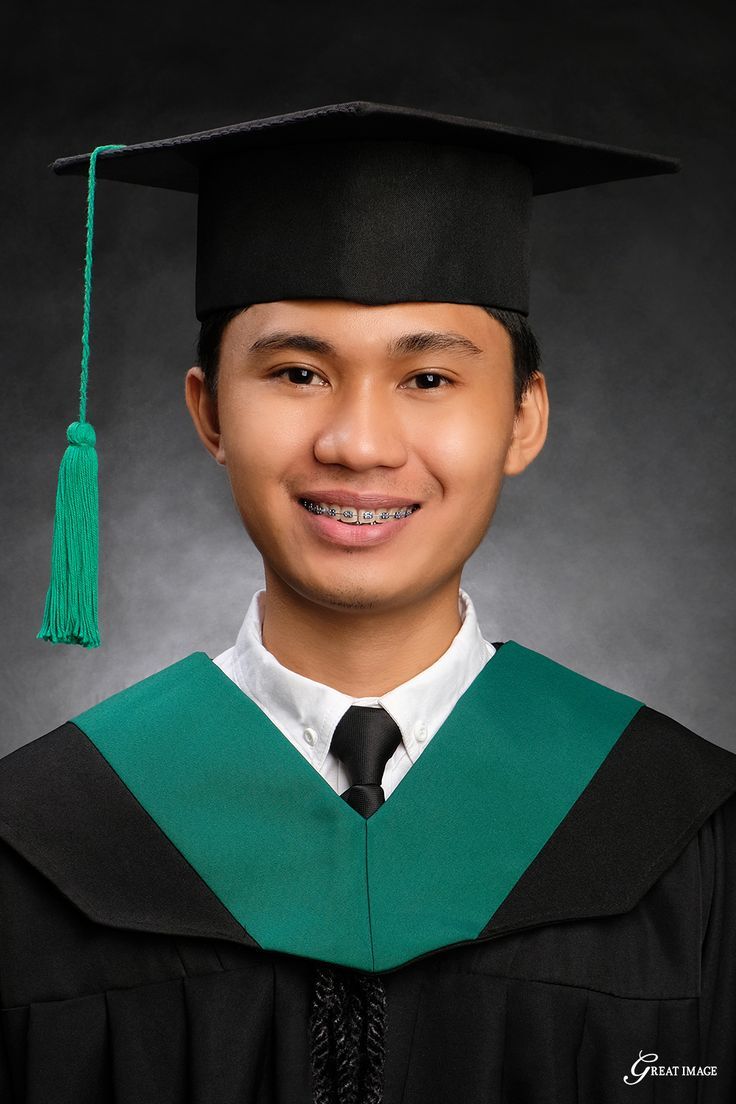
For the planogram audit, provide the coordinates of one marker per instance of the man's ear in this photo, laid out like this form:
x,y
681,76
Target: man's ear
x,y
530,427
203,409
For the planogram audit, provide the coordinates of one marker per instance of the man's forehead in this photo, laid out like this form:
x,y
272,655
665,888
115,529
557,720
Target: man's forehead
x,y
398,329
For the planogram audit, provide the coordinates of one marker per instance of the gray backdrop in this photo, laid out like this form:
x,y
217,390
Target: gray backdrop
x,y
612,554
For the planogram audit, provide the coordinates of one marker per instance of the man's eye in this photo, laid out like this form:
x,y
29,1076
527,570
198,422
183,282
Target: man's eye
x,y
426,381
296,374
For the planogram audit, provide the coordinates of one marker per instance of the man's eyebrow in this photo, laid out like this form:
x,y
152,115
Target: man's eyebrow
x,y
426,341
431,341
284,339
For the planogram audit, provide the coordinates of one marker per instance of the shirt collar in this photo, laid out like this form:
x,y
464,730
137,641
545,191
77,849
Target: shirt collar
x,y
296,703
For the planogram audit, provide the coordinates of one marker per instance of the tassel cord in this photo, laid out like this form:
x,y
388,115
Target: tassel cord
x,y
87,297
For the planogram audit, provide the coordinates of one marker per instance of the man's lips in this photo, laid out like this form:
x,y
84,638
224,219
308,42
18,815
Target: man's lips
x,y
345,524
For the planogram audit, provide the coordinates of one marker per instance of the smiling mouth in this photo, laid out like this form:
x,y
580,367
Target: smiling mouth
x,y
351,515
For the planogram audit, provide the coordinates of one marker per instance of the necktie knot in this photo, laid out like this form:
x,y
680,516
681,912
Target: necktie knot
x,y
364,740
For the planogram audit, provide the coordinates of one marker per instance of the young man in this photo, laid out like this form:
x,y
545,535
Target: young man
x,y
366,855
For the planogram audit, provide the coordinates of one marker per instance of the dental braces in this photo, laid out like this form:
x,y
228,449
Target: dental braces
x,y
369,517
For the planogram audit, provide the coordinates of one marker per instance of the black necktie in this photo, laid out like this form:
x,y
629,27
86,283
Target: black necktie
x,y
364,740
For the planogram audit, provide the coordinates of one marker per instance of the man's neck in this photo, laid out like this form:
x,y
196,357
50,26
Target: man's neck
x,y
363,653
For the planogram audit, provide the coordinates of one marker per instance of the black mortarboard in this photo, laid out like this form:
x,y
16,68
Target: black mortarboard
x,y
366,202
359,201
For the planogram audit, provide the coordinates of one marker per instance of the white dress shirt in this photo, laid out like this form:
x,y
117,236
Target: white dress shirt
x,y
307,712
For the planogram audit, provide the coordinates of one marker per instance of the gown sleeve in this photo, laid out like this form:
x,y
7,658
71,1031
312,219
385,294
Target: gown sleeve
x,y
718,958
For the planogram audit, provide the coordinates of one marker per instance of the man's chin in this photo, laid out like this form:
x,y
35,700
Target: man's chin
x,y
356,601
347,594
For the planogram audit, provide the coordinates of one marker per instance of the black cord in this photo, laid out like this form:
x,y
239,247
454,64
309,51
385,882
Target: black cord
x,y
347,1037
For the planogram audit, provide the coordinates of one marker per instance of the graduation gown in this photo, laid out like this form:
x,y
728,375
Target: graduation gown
x,y
546,905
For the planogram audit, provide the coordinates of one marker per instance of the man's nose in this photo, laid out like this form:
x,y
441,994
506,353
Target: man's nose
x,y
362,429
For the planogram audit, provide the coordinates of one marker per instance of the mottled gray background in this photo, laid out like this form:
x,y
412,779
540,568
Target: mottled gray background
x,y
612,554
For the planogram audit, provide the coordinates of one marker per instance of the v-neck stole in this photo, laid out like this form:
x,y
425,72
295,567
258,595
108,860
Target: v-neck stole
x,y
307,875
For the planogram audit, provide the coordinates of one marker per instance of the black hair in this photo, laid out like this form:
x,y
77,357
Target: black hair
x,y
525,349
524,346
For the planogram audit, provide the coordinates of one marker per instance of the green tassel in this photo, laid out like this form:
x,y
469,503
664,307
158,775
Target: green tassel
x,y
70,616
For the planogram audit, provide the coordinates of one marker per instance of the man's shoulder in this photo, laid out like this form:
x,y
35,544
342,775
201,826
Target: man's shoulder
x,y
662,735
659,788
78,773
156,690
670,745
61,765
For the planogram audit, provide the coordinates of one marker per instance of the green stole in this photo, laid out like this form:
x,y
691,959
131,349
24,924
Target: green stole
x,y
300,869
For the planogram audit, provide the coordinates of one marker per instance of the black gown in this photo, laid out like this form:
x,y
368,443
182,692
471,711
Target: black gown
x,y
544,909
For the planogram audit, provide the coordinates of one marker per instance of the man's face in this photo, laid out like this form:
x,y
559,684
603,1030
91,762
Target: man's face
x,y
362,411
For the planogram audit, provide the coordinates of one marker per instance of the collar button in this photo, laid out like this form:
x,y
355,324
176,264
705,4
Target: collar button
x,y
310,736
420,732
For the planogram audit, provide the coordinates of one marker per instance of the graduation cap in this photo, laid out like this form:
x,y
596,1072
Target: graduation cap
x,y
365,202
